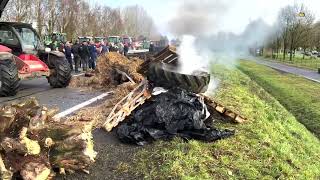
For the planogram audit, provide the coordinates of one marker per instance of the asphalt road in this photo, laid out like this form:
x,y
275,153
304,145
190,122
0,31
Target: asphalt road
x,y
64,98
308,74
111,152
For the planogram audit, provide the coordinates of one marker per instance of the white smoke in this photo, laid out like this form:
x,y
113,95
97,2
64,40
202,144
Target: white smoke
x,y
197,24
193,20
198,18
191,59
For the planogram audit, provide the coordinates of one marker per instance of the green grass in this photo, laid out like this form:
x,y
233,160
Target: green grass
x,y
272,144
300,96
307,62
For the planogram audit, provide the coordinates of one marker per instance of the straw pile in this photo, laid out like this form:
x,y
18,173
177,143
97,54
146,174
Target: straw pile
x,y
107,76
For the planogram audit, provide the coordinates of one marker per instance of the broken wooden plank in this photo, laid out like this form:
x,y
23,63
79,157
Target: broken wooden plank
x,y
221,109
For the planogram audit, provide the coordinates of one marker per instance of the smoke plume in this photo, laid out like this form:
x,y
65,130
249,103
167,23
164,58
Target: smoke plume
x,y
197,18
198,23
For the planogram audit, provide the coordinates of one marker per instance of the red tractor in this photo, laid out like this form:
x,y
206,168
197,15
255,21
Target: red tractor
x,y
22,55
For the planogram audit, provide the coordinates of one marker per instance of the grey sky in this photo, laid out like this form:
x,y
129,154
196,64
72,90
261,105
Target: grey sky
x,y
236,16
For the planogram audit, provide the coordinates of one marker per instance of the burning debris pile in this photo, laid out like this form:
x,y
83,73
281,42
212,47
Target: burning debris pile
x,y
112,69
177,111
33,144
171,113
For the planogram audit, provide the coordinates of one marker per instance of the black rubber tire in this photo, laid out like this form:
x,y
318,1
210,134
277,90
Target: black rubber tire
x,y
168,78
61,76
9,78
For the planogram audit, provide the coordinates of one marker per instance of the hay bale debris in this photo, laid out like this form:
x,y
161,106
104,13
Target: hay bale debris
x,y
112,70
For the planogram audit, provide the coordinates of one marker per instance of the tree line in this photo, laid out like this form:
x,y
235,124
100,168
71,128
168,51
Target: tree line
x,y
294,30
78,18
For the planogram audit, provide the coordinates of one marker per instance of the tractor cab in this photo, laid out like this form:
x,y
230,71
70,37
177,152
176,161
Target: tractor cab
x,y
55,37
85,39
21,38
98,40
114,39
127,40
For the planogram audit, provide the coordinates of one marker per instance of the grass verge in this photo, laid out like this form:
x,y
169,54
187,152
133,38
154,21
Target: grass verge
x,y
273,144
300,96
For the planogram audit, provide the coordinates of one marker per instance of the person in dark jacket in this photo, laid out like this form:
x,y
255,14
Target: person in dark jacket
x,y
126,49
113,47
67,52
85,55
151,47
76,56
104,48
93,55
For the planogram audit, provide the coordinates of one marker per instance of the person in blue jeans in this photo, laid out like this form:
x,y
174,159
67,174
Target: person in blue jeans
x,y
93,55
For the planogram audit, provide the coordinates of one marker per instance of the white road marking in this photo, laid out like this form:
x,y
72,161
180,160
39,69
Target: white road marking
x,y
79,106
78,74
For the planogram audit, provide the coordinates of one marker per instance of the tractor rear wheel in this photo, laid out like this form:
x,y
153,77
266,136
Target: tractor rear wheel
x,y
9,78
61,73
164,77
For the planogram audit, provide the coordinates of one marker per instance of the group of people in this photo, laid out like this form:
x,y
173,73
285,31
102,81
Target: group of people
x,y
85,54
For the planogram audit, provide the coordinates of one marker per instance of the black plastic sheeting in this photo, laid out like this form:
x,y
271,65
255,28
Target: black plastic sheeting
x,y
169,114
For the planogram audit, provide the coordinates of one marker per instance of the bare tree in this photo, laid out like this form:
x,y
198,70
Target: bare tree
x,y
116,23
40,11
307,38
79,18
284,22
294,26
137,21
19,11
52,16
316,33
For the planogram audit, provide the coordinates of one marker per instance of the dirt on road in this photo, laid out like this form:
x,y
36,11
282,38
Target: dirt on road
x,y
112,161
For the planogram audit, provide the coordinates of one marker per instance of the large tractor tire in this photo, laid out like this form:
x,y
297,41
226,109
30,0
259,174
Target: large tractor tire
x,y
61,73
161,76
9,78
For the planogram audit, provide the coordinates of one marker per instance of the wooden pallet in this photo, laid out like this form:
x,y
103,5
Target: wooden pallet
x,y
213,105
167,56
126,105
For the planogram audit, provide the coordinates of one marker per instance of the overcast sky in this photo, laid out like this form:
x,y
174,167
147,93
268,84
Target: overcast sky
x,y
237,15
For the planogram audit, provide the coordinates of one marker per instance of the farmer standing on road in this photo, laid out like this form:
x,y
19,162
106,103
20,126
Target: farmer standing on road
x,y
126,49
121,48
76,55
85,55
104,48
93,55
67,52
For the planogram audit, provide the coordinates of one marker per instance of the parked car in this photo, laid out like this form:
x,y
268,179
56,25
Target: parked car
x,y
307,53
314,52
